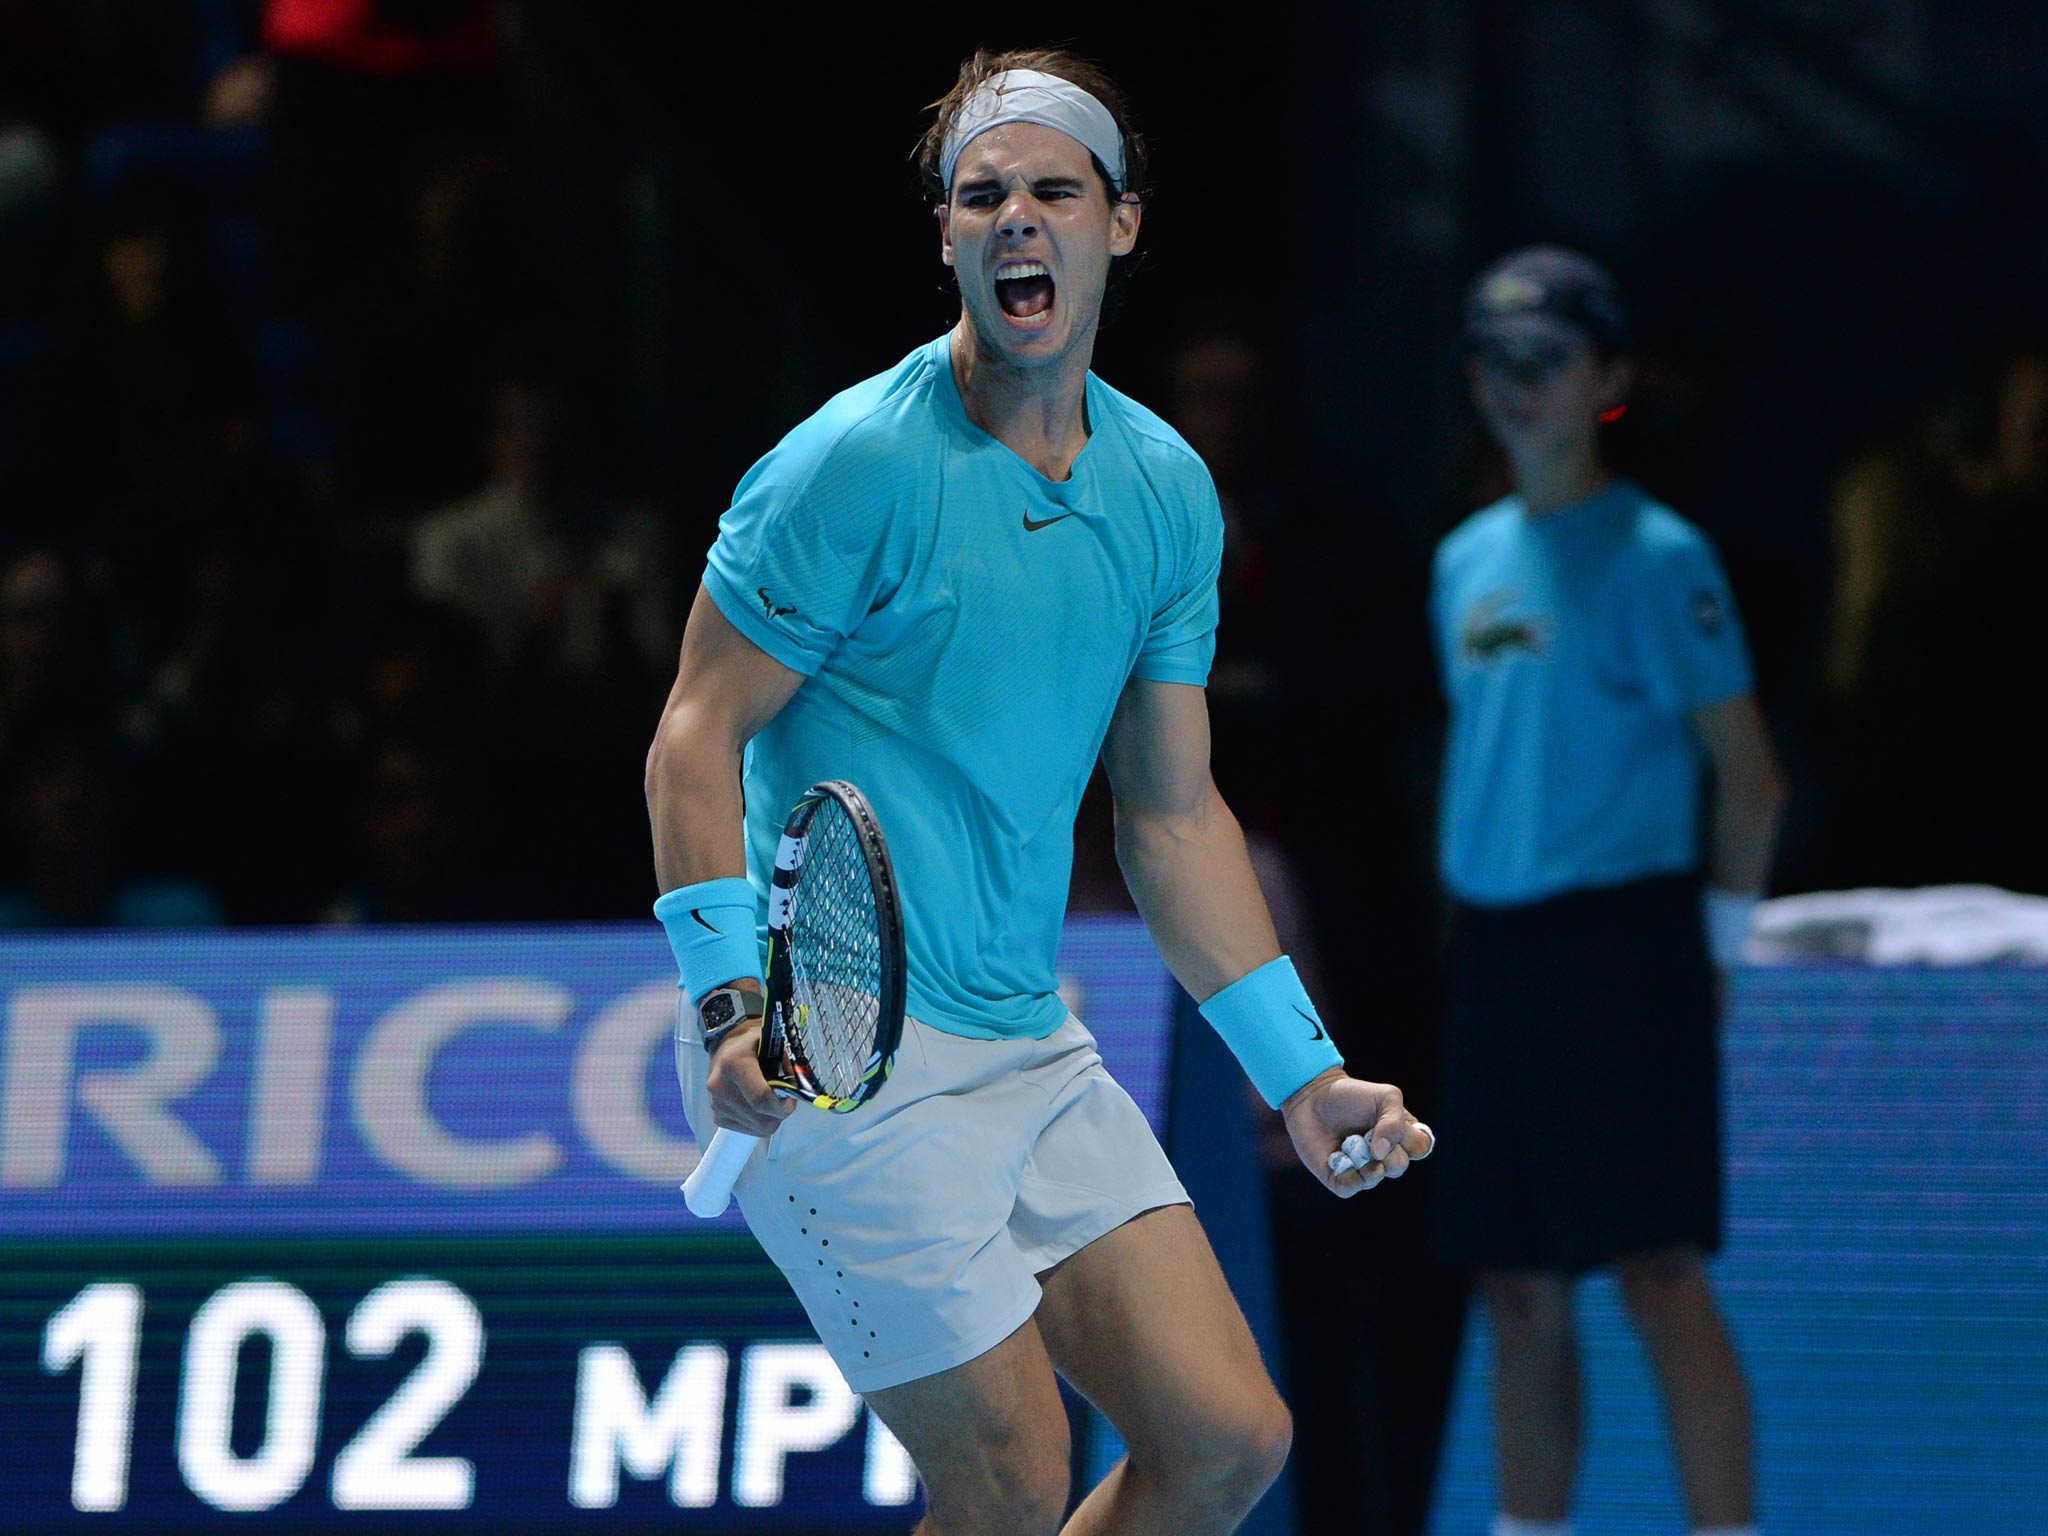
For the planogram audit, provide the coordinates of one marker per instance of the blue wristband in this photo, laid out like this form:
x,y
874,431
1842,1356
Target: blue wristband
x,y
710,927
1272,1029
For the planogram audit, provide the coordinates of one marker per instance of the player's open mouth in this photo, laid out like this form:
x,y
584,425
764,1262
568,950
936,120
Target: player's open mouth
x,y
1024,289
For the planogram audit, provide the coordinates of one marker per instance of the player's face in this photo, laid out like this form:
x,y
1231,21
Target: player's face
x,y
1544,392
1030,232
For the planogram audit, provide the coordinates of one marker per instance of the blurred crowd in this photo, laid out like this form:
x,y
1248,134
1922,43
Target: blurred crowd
x,y
322,598
1927,772
314,602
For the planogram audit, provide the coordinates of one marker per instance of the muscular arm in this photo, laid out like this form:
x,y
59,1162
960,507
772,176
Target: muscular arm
x,y
726,690
1749,794
1181,850
1183,856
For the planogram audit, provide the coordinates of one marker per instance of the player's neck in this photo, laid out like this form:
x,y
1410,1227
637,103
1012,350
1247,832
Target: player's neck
x,y
1552,482
1039,414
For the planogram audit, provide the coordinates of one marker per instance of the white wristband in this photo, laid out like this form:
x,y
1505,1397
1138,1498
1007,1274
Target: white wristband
x,y
1728,915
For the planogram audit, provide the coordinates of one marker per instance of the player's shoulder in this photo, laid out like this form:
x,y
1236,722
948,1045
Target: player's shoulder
x,y
1162,453
1477,532
867,429
1661,537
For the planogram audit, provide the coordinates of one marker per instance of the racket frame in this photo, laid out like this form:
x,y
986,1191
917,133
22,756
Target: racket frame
x,y
781,1049
708,1190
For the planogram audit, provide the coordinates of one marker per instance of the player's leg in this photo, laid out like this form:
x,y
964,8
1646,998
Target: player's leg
x,y
1705,1401
1660,1139
891,1224
989,1439
1536,1391
1506,1206
1143,1324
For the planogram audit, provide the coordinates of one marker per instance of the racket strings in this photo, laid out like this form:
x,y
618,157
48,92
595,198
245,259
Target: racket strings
x,y
835,951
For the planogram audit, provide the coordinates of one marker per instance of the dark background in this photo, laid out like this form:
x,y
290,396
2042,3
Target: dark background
x,y
267,316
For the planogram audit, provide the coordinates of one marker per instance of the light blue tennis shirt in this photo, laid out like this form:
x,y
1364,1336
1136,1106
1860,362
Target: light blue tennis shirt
x,y
1574,647
965,627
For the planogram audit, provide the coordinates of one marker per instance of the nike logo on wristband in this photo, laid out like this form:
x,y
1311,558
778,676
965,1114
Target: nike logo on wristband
x,y
698,913
1318,1035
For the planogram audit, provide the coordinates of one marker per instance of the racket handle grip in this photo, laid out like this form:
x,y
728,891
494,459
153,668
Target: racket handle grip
x,y
708,1190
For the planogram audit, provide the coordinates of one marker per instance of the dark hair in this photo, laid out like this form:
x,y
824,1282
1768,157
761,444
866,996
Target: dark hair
x,y
985,65
1069,66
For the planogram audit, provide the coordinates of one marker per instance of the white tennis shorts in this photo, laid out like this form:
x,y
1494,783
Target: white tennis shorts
x,y
913,1229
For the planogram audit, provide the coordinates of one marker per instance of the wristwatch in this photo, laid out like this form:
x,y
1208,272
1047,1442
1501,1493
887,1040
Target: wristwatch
x,y
724,1010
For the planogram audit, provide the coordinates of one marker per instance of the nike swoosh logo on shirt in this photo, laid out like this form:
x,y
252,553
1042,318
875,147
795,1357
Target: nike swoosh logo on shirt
x,y
1318,1035
1031,527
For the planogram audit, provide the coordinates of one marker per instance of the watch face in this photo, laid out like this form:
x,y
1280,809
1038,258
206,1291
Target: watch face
x,y
718,1010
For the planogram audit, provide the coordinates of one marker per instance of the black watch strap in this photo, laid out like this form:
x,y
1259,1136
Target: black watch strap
x,y
725,1009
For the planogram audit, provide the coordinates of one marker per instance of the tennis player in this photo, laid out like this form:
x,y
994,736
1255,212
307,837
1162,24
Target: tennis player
x,y
1593,660
956,585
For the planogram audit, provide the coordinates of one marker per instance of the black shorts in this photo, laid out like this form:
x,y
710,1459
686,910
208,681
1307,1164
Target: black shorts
x,y
1580,1094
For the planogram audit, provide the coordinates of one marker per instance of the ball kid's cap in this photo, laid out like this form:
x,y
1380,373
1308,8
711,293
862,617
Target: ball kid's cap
x,y
1546,290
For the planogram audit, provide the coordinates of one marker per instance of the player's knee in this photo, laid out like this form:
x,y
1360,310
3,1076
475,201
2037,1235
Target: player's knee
x,y
1263,1447
1521,1303
1019,1489
1238,1458
1661,1290
1030,1498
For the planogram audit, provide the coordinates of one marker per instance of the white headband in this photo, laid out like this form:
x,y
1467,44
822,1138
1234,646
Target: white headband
x,y
1031,96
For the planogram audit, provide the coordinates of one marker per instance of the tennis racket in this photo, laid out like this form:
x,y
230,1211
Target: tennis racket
x,y
834,1013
